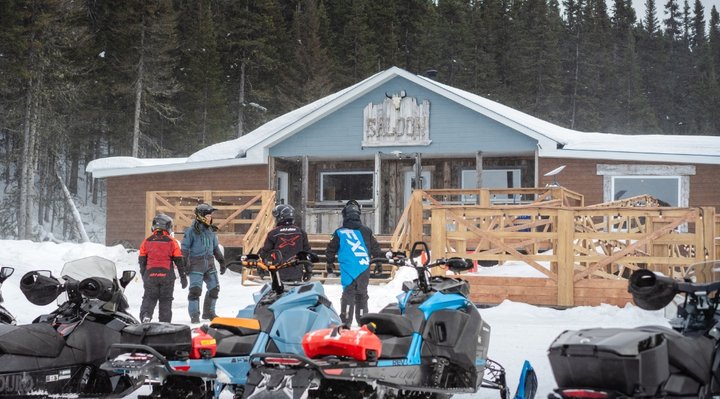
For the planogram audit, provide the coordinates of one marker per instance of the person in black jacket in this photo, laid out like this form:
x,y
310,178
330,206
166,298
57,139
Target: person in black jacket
x,y
290,240
354,244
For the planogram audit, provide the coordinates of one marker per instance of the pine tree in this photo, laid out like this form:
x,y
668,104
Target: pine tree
x,y
628,102
205,108
309,70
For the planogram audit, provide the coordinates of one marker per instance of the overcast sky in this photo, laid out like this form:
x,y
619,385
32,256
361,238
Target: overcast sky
x,y
639,6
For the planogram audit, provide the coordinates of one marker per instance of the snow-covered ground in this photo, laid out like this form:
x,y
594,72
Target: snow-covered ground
x,y
519,331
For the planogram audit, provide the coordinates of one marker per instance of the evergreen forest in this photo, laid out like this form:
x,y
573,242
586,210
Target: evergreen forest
x,y
84,79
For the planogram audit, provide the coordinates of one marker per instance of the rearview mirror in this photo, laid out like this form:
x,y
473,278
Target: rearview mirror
x,y
127,276
6,272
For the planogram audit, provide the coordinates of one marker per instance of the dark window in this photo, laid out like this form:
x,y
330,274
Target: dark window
x,y
343,186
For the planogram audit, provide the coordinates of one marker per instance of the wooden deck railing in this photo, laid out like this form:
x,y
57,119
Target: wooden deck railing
x,y
565,244
243,217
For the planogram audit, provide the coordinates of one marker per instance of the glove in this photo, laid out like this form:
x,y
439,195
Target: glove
x,y
223,268
183,281
307,273
330,268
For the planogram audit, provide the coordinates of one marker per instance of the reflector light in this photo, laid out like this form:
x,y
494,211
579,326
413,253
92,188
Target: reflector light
x,y
333,371
584,393
285,361
181,368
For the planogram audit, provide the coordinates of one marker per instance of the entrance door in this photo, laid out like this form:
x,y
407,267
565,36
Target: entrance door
x,y
282,187
410,185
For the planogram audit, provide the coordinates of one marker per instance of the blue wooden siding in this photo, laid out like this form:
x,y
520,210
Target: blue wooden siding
x,y
454,129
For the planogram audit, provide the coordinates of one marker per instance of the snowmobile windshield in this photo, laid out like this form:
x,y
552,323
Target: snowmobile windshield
x,y
703,272
92,266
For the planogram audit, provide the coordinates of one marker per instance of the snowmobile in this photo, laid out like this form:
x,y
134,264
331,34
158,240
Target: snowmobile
x,y
60,352
650,361
282,313
5,316
433,344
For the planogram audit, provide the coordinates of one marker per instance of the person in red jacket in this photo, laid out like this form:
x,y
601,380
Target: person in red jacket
x,y
157,255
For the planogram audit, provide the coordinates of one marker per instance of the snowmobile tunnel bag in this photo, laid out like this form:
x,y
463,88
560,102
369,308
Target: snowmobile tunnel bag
x,y
630,361
452,334
171,340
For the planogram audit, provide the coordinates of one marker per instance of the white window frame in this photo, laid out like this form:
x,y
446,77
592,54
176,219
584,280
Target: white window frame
x,y
682,172
354,172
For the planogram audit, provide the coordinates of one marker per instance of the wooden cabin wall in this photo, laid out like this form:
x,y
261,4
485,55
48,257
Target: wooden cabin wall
x,y
125,221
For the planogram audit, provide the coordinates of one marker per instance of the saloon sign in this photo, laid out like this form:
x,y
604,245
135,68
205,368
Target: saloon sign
x,y
398,120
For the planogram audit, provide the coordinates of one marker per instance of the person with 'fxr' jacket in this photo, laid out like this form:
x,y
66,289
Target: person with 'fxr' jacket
x,y
157,255
201,248
354,244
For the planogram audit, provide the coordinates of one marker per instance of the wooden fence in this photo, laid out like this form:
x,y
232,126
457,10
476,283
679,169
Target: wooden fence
x,y
243,217
582,255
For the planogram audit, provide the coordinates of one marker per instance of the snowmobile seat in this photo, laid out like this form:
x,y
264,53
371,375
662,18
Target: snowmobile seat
x,y
691,355
235,336
38,339
236,325
395,332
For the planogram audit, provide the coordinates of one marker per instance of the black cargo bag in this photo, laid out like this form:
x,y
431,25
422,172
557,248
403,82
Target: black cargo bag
x,y
631,361
173,341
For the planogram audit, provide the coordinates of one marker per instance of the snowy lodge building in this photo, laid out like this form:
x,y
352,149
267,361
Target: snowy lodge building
x,y
365,143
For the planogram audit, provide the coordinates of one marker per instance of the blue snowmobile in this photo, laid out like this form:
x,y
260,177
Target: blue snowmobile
x,y
277,322
434,344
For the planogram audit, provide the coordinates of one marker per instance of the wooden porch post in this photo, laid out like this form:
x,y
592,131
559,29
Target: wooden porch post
x,y
438,234
478,169
565,257
709,234
377,198
272,174
416,217
305,189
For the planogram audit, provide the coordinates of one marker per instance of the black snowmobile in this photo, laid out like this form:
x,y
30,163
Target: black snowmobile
x,y
60,353
649,361
432,344
5,316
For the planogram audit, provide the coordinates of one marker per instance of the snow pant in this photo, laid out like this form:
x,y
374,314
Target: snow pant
x,y
354,300
212,286
159,285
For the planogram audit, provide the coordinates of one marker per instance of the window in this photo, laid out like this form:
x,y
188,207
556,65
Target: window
x,y
664,188
491,178
668,183
343,186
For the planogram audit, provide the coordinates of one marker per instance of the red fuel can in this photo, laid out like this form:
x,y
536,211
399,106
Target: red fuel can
x,y
203,344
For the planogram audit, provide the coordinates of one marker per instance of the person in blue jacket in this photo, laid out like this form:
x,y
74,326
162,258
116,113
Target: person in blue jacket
x,y
200,248
354,245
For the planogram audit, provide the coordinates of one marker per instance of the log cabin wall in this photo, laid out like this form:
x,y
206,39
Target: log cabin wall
x,y
126,195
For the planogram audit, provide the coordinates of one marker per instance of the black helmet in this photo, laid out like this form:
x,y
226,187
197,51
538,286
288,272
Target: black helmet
x,y
162,222
283,213
351,211
203,210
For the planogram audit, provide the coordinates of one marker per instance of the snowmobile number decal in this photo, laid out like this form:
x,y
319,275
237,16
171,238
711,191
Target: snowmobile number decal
x,y
61,375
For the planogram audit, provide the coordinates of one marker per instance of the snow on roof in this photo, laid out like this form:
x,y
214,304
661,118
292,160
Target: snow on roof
x,y
553,140
577,144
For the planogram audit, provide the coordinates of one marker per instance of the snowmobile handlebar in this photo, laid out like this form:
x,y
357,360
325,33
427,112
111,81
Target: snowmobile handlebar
x,y
255,262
